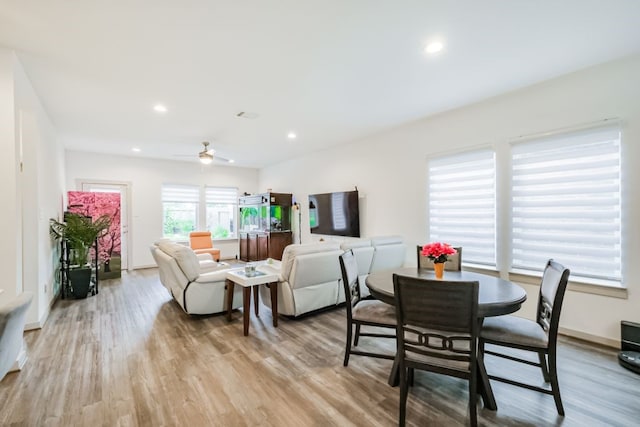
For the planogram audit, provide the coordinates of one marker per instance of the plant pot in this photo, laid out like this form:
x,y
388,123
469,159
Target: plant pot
x,y
438,268
80,281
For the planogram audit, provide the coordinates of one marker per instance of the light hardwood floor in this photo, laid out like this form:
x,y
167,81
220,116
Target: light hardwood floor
x,y
130,356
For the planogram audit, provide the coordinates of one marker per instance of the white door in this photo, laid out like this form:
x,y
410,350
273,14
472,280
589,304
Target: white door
x,y
123,189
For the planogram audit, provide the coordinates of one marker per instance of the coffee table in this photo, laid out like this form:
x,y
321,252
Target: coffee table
x,y
239,277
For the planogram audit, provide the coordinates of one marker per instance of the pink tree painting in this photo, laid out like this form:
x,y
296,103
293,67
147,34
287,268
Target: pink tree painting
x,y
95,204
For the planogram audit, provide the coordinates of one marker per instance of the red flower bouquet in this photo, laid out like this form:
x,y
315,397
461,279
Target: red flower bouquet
x,y
437,252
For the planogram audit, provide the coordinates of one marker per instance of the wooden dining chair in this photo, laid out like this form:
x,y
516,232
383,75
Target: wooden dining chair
x,y
454,263
363,312
437,329
539,336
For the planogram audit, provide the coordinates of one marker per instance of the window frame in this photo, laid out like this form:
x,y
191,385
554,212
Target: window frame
x,y
587,133
234,208
201,209
473,154
503,177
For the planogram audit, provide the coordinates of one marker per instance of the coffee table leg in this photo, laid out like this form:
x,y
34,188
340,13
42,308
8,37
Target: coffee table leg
x,y
230,286
246,308
256,301
273,288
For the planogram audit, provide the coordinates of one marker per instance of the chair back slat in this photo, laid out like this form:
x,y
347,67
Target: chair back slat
x,y
350,280
552,289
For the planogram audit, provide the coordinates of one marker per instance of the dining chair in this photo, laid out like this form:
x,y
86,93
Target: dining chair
x,y
363,312
437,329
454,263
539,336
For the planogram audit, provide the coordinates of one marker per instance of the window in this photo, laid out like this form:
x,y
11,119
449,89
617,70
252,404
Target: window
x,y
221,208
462,204
179,210
566,203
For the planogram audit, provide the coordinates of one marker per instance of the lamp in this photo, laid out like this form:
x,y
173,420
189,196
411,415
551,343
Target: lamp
x,y
206,160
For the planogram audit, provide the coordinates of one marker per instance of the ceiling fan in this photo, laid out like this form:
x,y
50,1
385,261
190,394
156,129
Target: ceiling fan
x,y
207,155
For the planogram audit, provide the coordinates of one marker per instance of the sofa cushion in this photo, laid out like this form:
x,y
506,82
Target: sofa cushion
x,y
314,268
355,243
184,256
292,251
390,252
385,240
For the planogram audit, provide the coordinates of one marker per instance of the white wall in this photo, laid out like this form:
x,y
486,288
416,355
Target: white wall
x,y
10,261
390,170
31,193
146,177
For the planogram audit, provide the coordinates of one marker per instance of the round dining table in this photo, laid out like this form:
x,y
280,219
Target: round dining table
x,y
496,297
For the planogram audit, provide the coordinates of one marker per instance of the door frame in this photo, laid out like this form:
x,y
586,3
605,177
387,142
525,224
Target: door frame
x,y
127,185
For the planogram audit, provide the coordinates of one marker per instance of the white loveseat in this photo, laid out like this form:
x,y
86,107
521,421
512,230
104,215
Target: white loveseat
x,y
196,282
309,274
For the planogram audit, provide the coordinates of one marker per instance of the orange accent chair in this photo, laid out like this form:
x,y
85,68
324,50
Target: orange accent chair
x,y
200,242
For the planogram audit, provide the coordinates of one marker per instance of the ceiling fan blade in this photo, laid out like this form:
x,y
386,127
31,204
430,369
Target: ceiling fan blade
x,y
222,159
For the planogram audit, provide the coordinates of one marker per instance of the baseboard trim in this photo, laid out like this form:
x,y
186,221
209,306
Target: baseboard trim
x,y
608,342
21,360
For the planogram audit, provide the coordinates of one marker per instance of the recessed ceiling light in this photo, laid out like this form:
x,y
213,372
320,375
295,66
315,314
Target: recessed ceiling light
x,y
291,135
434,47
136,150
231,161
159,108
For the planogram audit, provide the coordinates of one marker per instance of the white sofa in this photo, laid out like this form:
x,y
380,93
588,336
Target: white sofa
x,y
309,275
196,282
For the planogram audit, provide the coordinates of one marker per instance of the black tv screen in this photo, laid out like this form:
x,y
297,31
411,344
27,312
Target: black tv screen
x,y
335,214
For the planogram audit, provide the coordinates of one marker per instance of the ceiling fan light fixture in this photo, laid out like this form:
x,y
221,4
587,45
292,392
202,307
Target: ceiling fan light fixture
x,y
206,160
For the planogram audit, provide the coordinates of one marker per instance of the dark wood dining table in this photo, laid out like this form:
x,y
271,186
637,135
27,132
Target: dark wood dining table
x,y
496,297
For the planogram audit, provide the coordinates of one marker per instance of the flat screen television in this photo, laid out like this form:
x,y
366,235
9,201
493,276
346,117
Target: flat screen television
x,y
335,214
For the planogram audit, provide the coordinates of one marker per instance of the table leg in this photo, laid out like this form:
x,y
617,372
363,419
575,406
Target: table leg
x,y
273,288
256,301
246,308
230,286
484,386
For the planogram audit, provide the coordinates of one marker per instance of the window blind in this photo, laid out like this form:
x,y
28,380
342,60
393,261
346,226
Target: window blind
x,y
566,203
462,204
180,193
221,195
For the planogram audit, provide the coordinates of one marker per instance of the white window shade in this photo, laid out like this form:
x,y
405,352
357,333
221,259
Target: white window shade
x,y
566,203
222,195
180,193
462,204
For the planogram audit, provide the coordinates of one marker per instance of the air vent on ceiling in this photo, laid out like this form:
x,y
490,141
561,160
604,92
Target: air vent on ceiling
x,y
247,115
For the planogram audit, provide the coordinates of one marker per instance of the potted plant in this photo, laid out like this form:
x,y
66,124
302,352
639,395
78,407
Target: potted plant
x,y
79,232
438,252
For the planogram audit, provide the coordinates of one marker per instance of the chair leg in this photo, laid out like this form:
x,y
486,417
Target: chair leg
x,y
347,349
473,400
355,342
404,391
553,373
543,365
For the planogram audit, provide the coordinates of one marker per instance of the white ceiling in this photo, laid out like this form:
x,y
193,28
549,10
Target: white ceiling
x,y
331,70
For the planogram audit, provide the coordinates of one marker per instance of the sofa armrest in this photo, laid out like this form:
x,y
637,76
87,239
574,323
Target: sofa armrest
x,y
204,257
213,276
